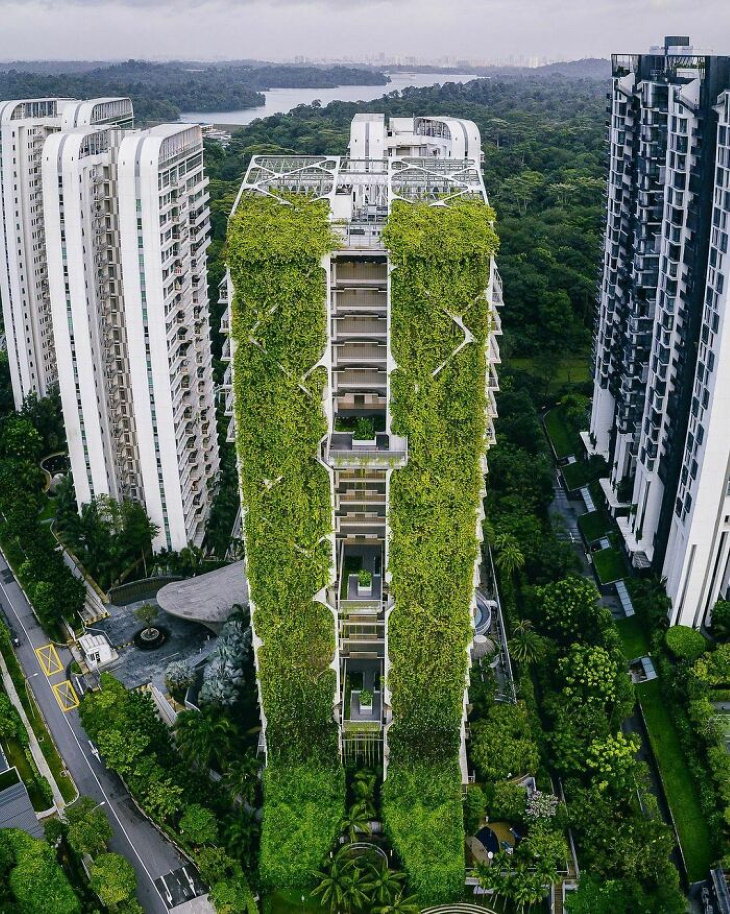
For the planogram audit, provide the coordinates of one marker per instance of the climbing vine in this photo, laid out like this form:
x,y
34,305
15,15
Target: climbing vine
x,y
439,333
279,328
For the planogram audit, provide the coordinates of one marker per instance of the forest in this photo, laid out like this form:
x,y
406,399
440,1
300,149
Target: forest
x,y
160,91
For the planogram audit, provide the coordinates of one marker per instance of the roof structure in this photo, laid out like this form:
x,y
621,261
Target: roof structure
x,y
207,598
16,810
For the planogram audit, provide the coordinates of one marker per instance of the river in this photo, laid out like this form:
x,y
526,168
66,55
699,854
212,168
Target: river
x,y
279,101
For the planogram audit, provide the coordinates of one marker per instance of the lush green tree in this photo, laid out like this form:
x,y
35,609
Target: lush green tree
x,y
612,763
198,825
400,904
383,884
509,557
204,737
475,807
20,440
568,610
525,645
356,823
89,830
146,614
113,879
163,798
36,881
720,624
501,746
508,802
241,777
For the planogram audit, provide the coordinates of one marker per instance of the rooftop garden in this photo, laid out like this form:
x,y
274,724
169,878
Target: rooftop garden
x,y
440,258
279,324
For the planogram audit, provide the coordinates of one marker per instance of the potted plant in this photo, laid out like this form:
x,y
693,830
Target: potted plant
x,y
364,583
366,699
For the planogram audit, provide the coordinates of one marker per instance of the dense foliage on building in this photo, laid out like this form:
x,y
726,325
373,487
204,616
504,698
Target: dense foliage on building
x,y
279,328
440,258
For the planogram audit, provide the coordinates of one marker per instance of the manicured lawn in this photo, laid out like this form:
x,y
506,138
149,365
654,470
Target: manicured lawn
x,y
559,434
634,641
577,474
594,525
694,835
609,565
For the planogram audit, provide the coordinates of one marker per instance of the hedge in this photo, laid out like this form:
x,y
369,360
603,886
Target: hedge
x,y
440,258
685,643
279,325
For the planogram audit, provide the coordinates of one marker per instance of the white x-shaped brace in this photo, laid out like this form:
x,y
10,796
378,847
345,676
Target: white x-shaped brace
x,y
468,335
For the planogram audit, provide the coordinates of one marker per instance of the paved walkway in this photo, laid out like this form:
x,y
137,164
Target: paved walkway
x,y
34,745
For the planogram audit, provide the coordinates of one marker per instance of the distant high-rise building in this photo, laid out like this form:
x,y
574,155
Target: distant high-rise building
x,y
127,223
24,127
662,363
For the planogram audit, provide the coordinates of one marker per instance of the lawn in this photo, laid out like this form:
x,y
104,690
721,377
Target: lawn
x,y
16,757
577,474
634,641
562,439
694,834
594,525
285,901
570,371
609,565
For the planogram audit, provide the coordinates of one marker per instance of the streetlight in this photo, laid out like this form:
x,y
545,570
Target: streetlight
x,y
31,702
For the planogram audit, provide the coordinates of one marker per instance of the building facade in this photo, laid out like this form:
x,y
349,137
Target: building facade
x,y
127,226
412,161
24,127
659,390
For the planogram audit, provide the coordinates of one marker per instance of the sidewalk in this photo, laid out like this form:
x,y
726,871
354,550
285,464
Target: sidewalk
x,y
36,752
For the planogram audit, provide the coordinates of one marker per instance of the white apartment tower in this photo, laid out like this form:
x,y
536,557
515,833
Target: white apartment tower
x,y
24,127
126,233
662,366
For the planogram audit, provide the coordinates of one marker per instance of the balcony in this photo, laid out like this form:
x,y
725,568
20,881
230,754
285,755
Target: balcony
x,y
384,451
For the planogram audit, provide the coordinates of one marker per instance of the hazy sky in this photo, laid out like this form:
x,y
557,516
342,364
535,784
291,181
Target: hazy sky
x,y
475,29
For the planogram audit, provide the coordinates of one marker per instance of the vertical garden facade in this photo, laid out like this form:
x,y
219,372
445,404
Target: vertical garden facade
x,y
363,299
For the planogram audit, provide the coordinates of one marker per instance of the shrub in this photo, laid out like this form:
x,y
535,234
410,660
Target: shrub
x,y
475,807
685,643
508,802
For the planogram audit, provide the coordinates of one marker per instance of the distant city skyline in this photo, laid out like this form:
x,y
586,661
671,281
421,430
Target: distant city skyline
x,y
469,30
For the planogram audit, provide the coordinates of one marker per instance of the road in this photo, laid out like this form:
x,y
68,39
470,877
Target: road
x,y
133,836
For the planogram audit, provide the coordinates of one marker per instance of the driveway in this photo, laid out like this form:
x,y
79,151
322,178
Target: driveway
x,y
133,836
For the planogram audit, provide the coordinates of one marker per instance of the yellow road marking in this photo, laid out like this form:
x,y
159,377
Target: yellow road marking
x,y
49,660
65,695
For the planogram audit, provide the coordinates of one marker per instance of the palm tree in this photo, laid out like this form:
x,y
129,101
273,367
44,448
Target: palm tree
x,y
240,837
335,884
525,645
356,822
204,736
400,904
384,884
241,778
363,790
510,557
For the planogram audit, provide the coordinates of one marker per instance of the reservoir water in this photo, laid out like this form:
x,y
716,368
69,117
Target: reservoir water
x,y
279,101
